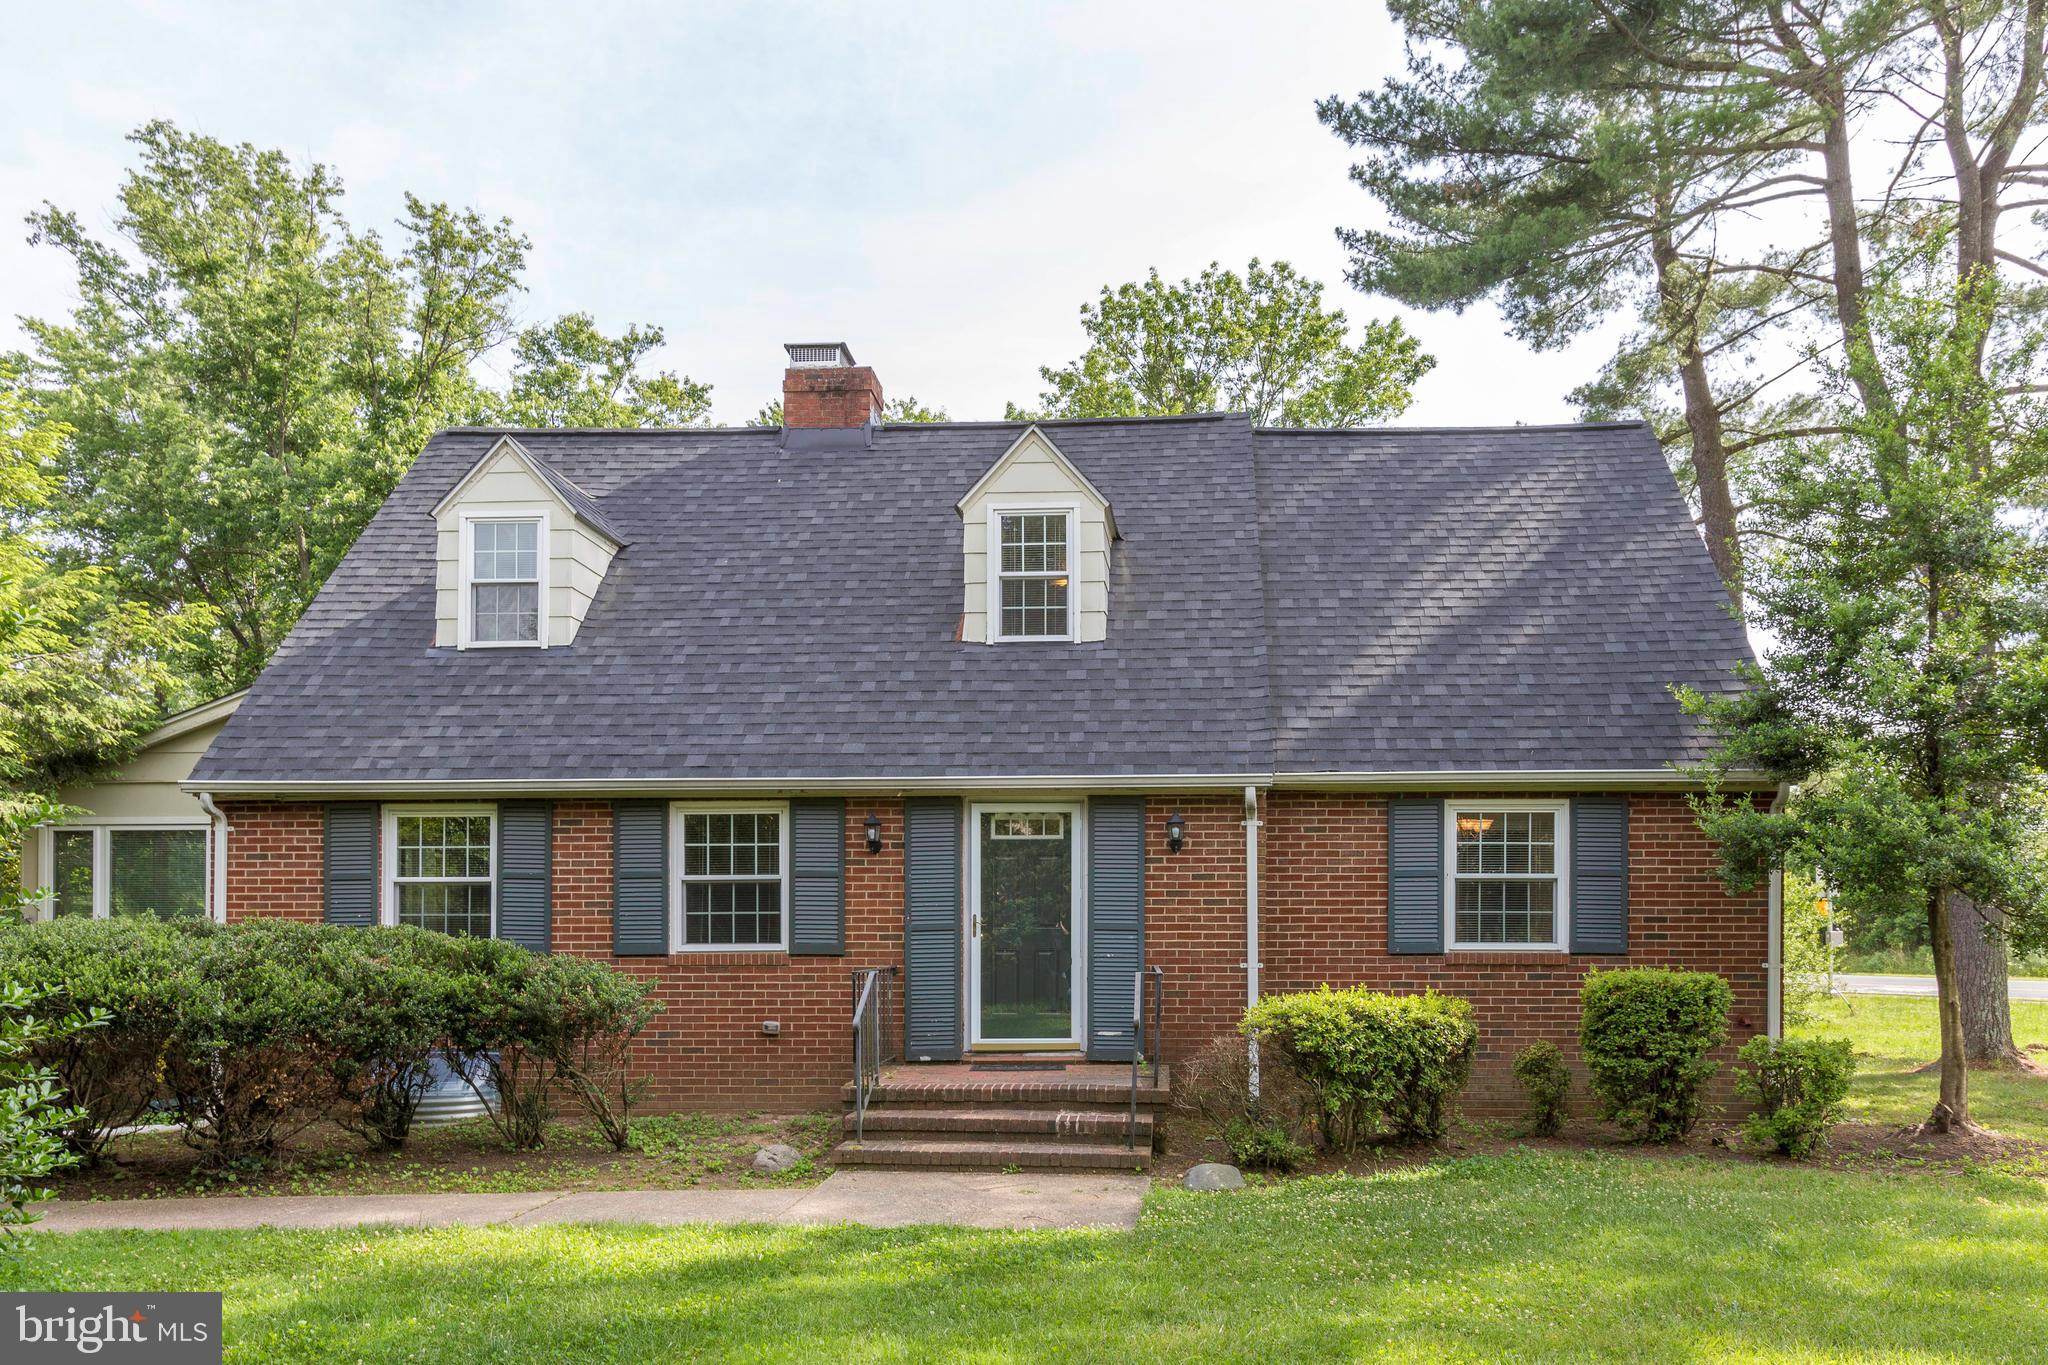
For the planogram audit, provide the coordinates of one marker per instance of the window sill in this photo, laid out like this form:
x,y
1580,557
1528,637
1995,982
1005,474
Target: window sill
x,y
729,957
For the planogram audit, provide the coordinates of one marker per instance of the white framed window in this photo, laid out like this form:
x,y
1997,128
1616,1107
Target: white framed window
x,y
144,867
504,580
440,868
1031,591
1507,881
731,864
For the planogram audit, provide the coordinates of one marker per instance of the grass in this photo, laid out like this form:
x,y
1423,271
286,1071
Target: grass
x,y
1917,962
1526,1256
1895,1036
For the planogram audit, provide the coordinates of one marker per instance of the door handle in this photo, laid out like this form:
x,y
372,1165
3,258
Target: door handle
x,y
977,926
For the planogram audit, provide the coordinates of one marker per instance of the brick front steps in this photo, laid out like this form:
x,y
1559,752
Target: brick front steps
x,y
947,1114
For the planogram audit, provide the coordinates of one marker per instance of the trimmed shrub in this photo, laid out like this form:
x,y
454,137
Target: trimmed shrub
x,y
1379,1066
398,991
33,1115
1541,1070
1645,1035
1263,1146
1798,1086
127,968
252,1056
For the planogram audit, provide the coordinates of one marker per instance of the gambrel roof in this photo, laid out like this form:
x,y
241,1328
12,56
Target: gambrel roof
x,y
1373,603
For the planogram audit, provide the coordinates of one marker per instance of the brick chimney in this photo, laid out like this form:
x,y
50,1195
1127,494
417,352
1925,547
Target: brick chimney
x,y
823,390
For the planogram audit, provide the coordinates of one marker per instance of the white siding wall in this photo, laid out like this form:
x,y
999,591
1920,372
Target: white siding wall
x,y
577,558
1033,476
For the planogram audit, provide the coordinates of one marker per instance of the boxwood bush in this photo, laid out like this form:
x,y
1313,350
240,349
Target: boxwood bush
x,y
1798,1085
1541,1070
250,1032
1379,1066
1645,1035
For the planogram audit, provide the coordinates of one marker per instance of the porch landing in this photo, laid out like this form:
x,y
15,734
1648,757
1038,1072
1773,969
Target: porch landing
x,y
982,1113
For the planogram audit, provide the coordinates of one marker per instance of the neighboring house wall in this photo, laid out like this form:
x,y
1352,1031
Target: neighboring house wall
x,y
1031,478
142,794
1323,915
576,556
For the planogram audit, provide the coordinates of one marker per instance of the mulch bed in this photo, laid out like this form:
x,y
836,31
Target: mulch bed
x,y
682,1151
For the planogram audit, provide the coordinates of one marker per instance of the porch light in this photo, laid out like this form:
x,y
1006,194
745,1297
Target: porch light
x,y
1176,832
873,825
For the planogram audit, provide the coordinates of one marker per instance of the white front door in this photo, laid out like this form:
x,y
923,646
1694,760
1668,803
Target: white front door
x,y
1025,924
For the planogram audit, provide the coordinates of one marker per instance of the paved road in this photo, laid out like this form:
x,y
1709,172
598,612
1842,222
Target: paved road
x,y
2021,988
881,1199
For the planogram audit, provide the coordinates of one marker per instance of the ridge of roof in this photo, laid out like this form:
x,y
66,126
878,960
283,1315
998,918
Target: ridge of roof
x,y
1391,430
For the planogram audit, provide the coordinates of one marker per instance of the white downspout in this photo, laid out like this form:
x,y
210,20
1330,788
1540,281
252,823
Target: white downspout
x,y
1251,923
217,884
1774,957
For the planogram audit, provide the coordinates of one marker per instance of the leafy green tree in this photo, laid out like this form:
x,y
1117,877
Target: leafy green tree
x,y
569,374
244,379
893,410
82,673
1260,343
1907,587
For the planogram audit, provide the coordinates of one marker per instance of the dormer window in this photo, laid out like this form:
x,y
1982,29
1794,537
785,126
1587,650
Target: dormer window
x,y
1034,575
503,595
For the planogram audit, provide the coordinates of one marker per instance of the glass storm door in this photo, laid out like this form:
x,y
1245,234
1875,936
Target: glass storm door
x,y
1022,934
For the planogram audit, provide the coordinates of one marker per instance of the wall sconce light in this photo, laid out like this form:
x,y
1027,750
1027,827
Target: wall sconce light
x,y
1176,832
873,826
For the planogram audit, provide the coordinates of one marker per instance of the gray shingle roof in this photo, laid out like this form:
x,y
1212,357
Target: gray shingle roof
x,y
1360,601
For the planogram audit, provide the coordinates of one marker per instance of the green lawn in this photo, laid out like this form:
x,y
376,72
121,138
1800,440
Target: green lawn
x,y
1526,1257
1896,1035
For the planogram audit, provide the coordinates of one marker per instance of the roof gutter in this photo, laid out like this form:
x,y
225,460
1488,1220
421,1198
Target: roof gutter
x,y
1548,779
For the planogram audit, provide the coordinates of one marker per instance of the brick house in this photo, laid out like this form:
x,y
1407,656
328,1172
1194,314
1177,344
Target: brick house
x,y
1014,710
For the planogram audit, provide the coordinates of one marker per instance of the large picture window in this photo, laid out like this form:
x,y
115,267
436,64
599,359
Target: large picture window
x,y
732,866
440,865
1507,883
1034,581
102,870
505,582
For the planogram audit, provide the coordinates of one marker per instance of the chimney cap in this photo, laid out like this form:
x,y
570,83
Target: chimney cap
x,y
818,355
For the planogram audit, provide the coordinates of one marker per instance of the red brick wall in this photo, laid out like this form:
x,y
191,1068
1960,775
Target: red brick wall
x,y
830,397
1323,918
274,859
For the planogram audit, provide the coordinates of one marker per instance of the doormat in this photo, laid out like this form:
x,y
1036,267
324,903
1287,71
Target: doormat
x,y
1016,1066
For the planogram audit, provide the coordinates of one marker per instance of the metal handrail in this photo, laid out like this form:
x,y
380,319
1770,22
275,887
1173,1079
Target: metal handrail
x,y
1139,1052
868,993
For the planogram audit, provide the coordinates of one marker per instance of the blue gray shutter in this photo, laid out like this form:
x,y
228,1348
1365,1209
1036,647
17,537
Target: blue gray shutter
x,y
639,878
931,928
1415,876
817,877
1116,921
1599,912
526,896
349,864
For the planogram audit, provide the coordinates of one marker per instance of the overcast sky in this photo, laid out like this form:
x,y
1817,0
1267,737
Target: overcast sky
x,y
940,186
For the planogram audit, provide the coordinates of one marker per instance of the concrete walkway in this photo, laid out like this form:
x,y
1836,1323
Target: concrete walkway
x,y
2019,987
876,1199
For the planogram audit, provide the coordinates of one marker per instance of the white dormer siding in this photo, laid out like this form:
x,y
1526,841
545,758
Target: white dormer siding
x,y
1034,479
507,486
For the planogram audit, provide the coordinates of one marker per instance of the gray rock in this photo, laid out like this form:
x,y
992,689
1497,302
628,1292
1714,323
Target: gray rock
x,y
775,1158
1213,1175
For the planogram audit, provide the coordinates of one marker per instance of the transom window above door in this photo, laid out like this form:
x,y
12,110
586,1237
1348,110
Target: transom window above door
x,y
1507,882
504,569
733,888
1034,576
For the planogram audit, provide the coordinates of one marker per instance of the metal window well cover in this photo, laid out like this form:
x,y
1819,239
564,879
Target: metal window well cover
x,y
449,1098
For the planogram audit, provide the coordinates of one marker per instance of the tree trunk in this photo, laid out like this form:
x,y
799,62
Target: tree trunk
x,y
1680,297
1982,989
1951,1111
